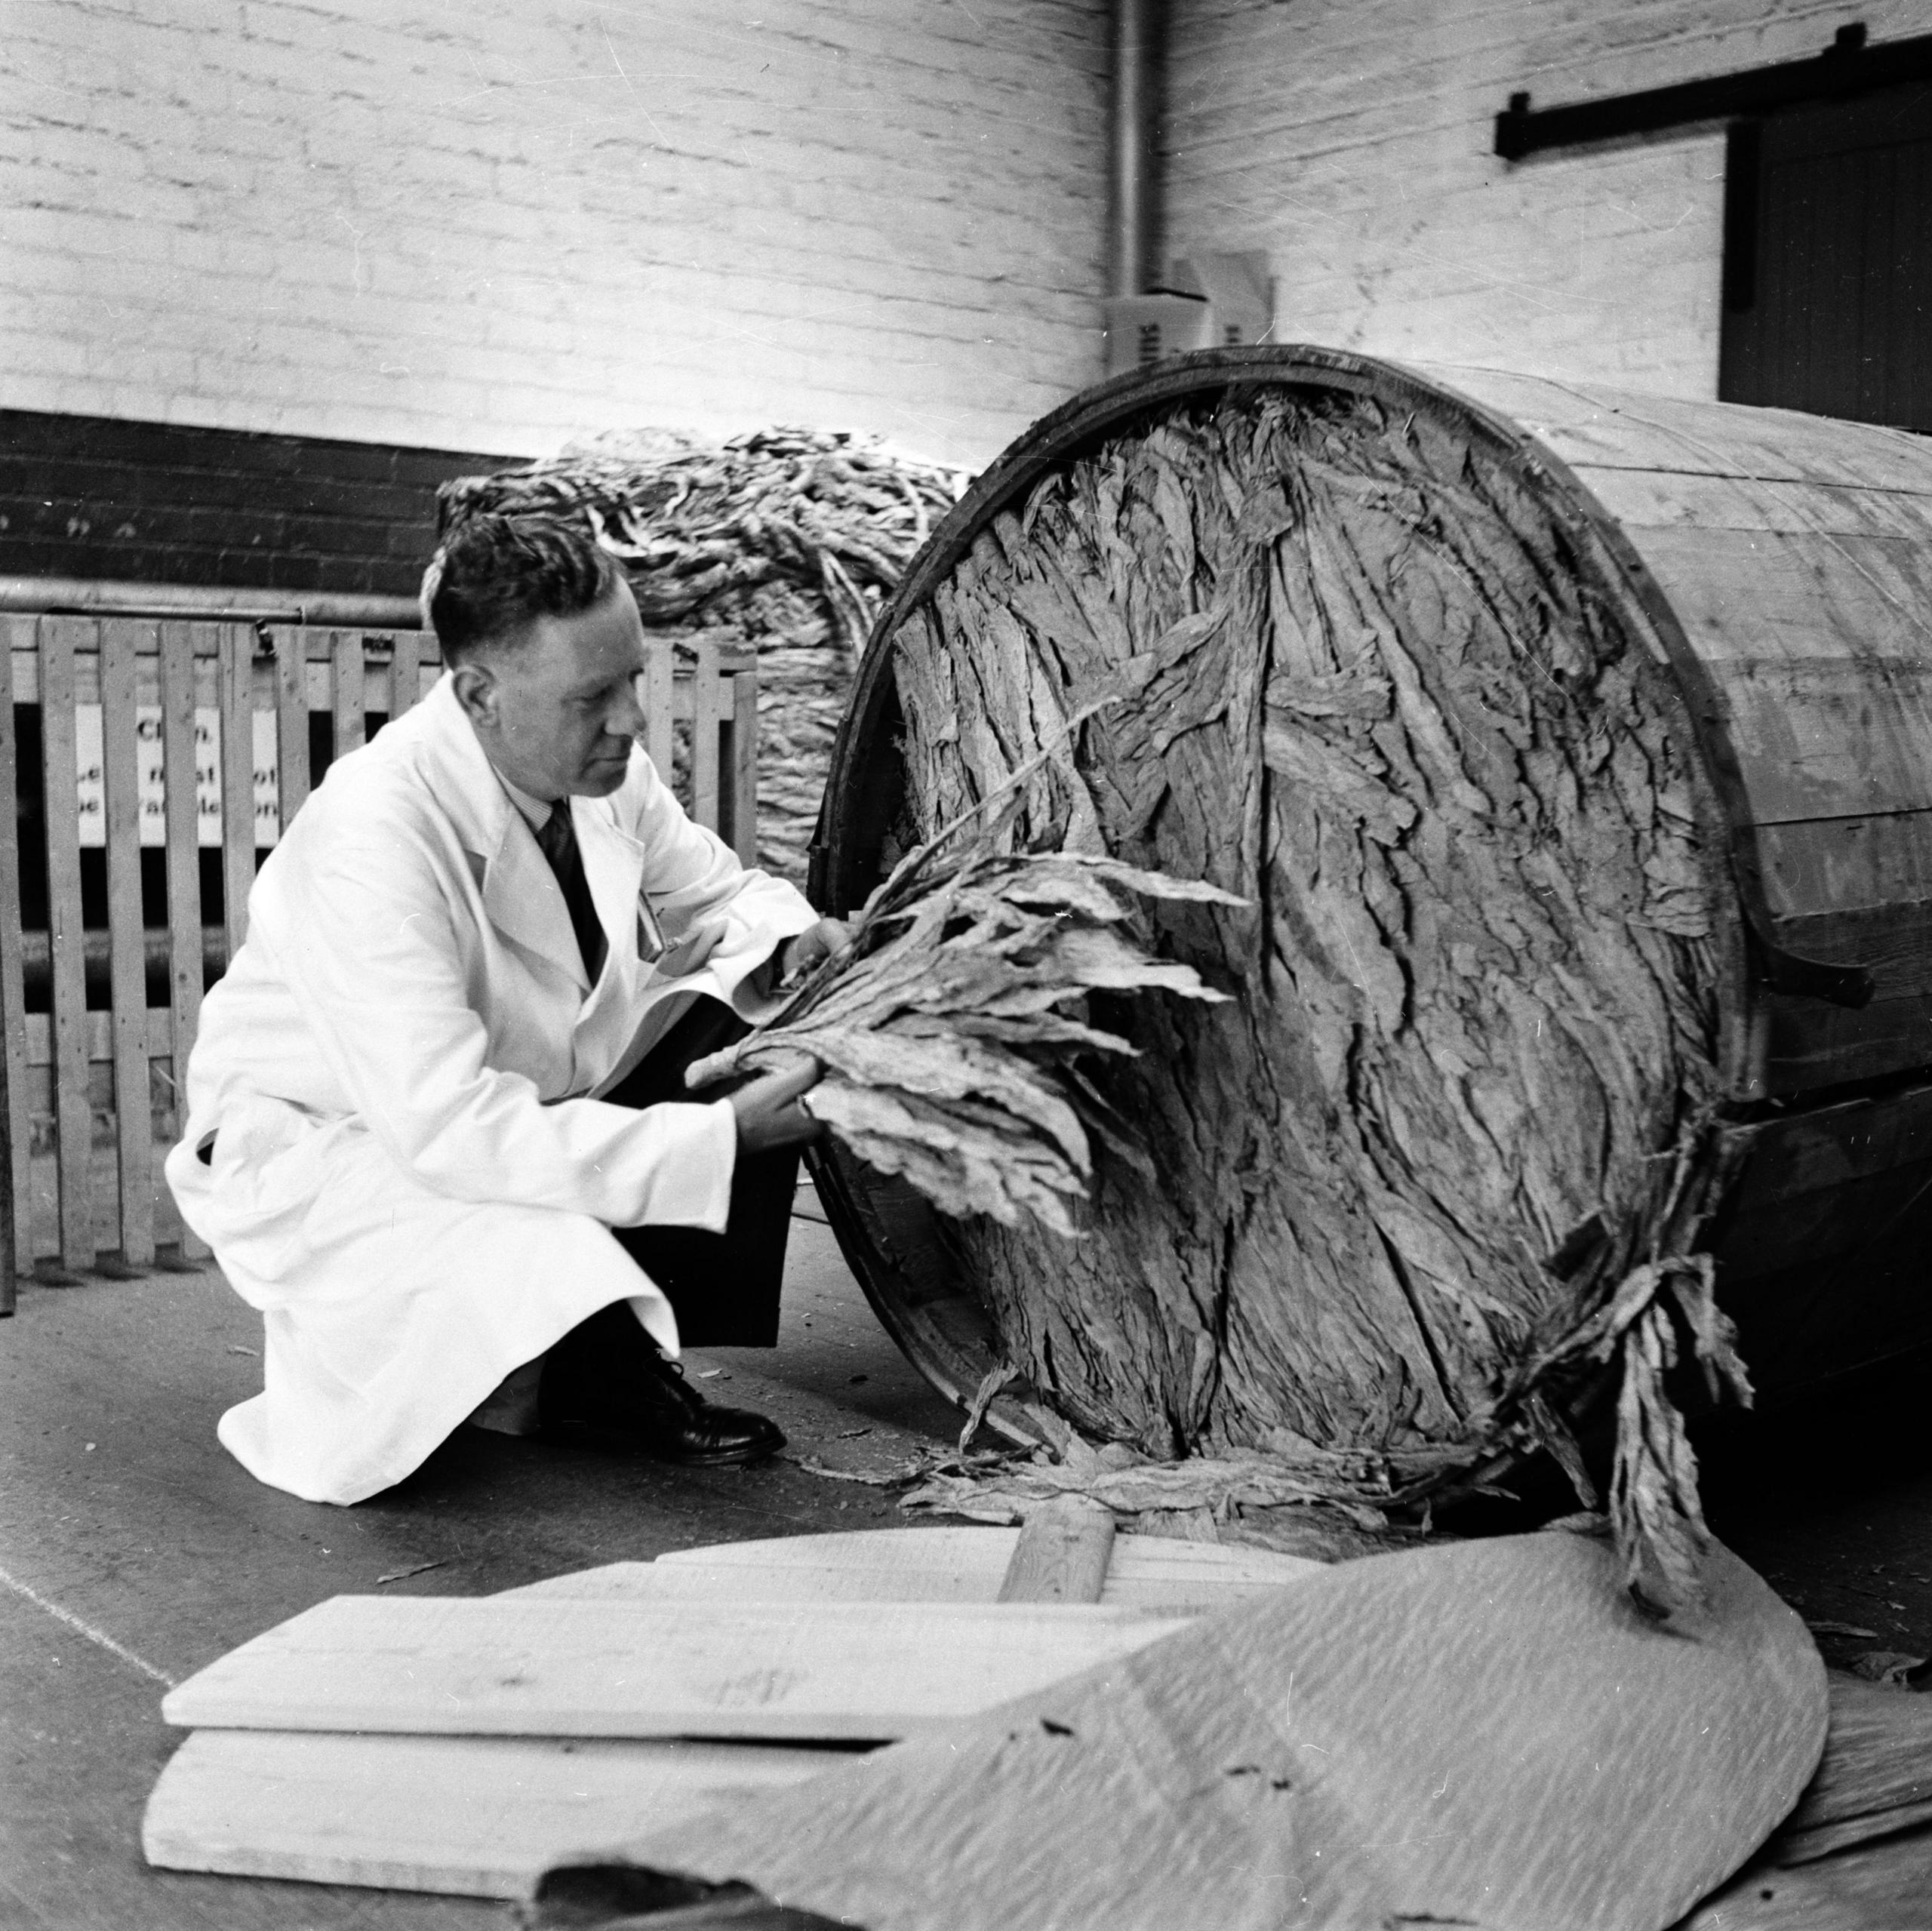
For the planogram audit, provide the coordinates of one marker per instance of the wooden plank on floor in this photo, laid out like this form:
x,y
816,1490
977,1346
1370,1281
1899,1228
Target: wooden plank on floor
x,y
1876,1776
133,1110
1156,1575
1062,1555
823,1672
483,1816
236,700
73,1116
475,1816
182,811
1153,1573
17,634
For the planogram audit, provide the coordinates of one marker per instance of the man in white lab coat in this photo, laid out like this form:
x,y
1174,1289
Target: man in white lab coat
x,y
437,1129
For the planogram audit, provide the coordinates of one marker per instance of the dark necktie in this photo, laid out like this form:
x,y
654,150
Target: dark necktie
x,y
558,840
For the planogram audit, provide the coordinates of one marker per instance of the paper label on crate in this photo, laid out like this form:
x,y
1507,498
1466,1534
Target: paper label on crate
x,y
151,787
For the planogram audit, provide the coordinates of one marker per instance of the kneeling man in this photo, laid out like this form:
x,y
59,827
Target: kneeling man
x,y
438,1131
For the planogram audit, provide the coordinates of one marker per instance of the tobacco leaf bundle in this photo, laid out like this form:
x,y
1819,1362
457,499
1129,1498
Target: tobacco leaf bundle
x,y
783,542
951,1026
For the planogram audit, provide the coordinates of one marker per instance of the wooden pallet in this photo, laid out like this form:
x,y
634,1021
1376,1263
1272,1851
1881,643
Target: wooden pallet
x,y
180,735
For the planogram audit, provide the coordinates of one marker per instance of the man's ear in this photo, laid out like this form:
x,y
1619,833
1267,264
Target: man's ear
x,y
475,688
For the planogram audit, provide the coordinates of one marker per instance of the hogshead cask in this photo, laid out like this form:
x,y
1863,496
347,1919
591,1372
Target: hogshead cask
x,y
1572,751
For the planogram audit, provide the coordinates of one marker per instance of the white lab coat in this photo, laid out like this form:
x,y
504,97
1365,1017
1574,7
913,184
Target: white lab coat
x,y
411,1176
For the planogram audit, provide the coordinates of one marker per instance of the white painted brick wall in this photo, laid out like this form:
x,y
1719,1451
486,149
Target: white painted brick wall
x,y
490,226
1353,143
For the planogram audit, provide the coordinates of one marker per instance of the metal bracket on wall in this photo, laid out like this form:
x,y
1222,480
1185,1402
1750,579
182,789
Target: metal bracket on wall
x,y
1848,67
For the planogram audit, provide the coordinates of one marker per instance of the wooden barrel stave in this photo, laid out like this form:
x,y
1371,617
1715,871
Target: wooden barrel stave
x,y
1831,848
1795,553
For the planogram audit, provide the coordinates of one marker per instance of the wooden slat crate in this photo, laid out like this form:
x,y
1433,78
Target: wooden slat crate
x,y
183,735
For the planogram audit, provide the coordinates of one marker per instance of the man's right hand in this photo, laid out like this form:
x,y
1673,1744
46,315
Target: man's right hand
x,y
769,1114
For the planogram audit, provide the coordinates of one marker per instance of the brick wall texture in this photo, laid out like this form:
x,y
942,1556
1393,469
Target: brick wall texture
x,y
490,226
1353,143
165,503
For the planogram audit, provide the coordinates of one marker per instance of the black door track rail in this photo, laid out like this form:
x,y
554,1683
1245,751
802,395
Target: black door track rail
x,y
1848,67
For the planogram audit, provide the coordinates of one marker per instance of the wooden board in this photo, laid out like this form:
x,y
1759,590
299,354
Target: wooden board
x,y
1590,427
181,809
406,671
740,780
482,1816
1881,1886
1063,1554
1876,1777
291,724
128,963
347,703
705,742
74,1115
1150,1573
1485,1733
236,704
1810,1045
1667,499
495,1666
475,1816
1812,865
13,991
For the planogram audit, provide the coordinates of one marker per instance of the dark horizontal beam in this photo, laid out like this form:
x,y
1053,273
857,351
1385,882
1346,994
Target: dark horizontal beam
x,y
1848,67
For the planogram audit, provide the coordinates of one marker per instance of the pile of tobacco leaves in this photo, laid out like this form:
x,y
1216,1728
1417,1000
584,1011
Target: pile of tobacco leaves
x,y
785,542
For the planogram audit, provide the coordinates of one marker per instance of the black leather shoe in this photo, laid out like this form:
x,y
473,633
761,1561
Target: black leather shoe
x,y
606,1382
669,1419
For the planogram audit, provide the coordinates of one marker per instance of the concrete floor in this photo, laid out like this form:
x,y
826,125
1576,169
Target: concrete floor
x,y
133,1551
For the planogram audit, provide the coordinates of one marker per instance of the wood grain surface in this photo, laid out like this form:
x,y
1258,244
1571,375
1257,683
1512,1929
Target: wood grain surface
x,y
1484,1733
1151,1573
1876,1778
473,1816
1062,1553
499,1666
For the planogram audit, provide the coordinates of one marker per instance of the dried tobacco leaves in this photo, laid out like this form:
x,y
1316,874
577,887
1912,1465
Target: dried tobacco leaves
x,y
783,542
1428,1174
952,1027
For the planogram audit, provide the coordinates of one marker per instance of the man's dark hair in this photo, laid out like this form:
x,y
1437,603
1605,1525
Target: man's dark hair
x,y
494,574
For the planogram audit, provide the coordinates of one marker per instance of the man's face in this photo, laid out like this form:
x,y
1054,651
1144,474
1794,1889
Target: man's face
x,y
556,707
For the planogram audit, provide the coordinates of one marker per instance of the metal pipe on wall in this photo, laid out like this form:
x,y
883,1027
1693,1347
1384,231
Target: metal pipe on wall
x,y
1133,215
81,596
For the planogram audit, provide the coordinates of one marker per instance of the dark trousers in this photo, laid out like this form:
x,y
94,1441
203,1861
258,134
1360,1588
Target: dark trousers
x,y
723,1287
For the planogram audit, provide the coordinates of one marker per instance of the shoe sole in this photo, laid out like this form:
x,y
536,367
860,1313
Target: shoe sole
x,y
612,1441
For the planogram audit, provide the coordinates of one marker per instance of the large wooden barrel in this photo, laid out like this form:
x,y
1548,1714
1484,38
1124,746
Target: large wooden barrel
x,y
1576,748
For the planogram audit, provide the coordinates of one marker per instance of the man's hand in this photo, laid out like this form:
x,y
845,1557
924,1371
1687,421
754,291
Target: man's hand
x,y
796,957
769,1114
